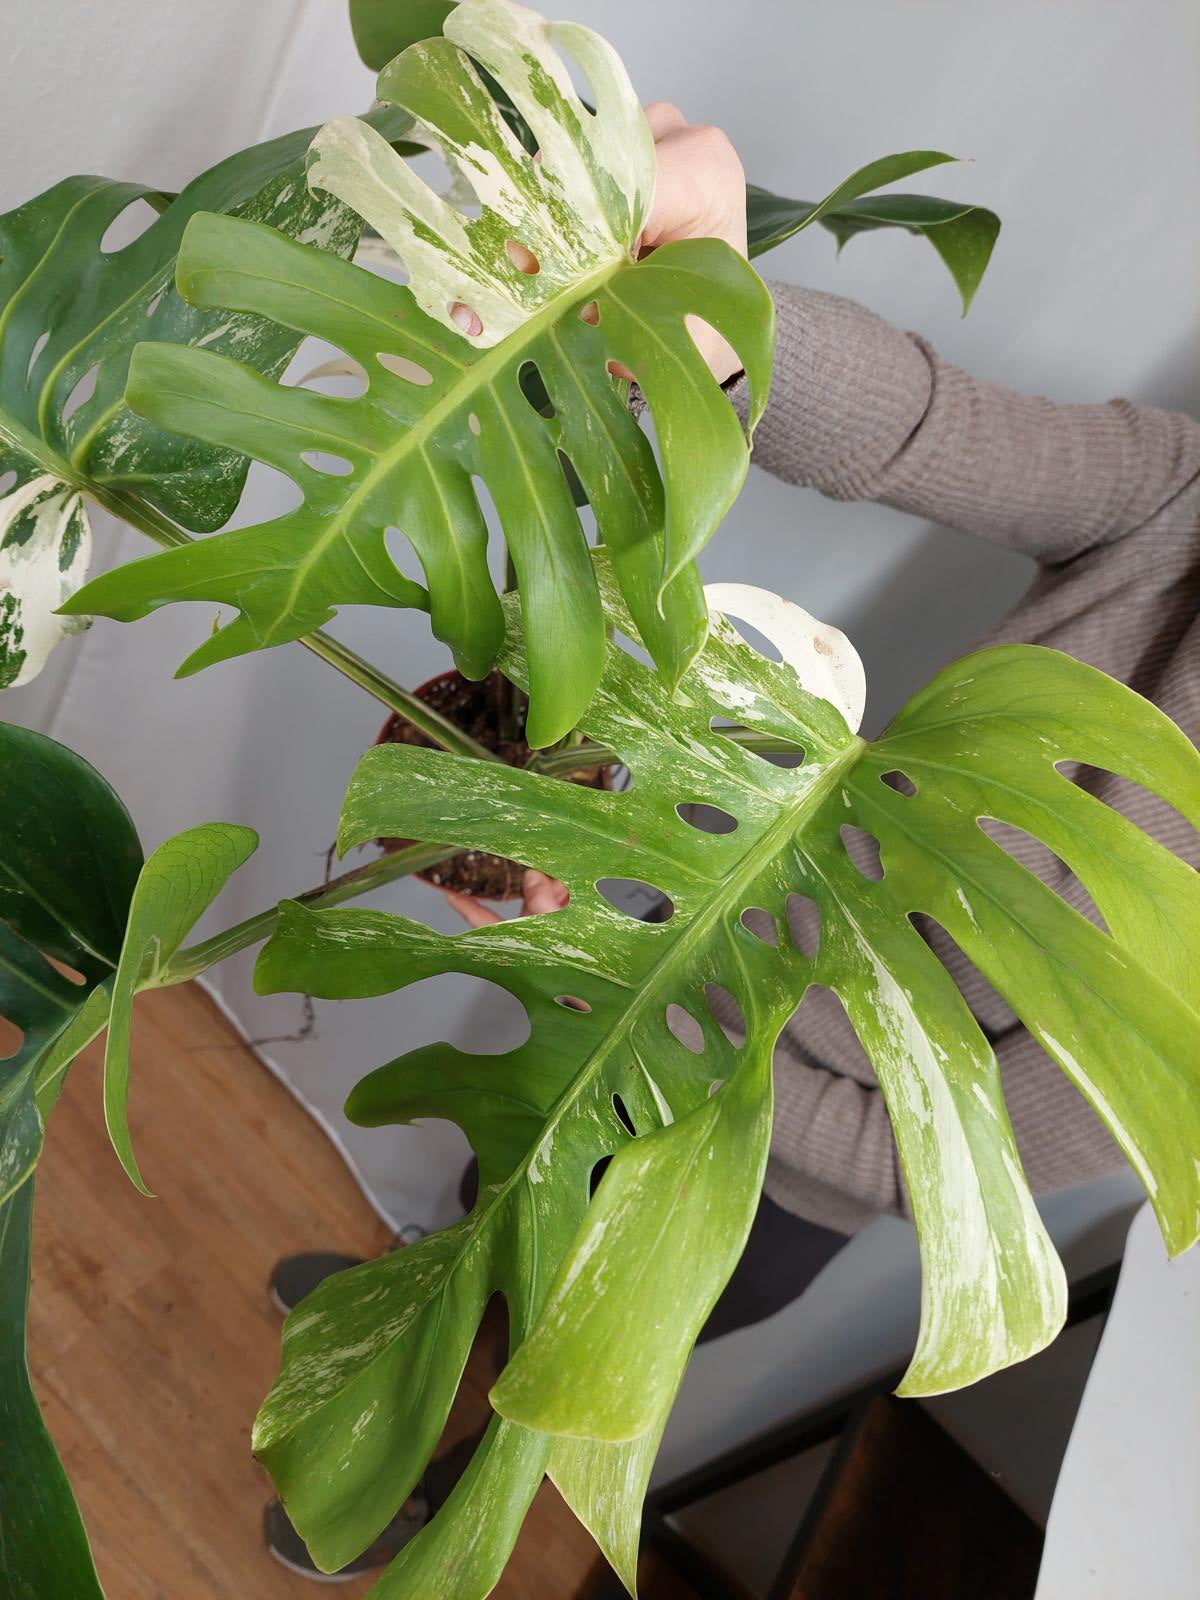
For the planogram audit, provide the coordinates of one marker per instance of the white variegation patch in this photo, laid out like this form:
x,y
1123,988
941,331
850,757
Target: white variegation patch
x,y
45,550
580,207
822,657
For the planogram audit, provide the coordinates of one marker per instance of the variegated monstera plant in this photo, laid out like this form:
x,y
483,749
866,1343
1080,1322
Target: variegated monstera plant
x,y
141,378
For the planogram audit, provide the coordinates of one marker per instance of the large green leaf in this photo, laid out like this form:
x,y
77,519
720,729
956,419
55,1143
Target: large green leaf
x,y
963,235
605,1313
44,1549
442,408
71,313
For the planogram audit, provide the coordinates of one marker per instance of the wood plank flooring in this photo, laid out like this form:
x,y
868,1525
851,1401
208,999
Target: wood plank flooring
x,y
151,1337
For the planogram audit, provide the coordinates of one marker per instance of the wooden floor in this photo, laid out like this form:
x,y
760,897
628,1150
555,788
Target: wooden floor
x,y
151,1337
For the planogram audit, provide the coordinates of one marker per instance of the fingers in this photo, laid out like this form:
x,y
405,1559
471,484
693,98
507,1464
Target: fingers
x,y
472,910
542,893
663,118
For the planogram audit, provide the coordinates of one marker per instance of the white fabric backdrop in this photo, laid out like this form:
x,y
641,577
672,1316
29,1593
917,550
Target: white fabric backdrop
x,y
1082,122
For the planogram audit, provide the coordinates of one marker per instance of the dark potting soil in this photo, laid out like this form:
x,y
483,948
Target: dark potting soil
x,y
481,709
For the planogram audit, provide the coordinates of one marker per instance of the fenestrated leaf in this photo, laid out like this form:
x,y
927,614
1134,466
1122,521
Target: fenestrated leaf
x,y
442,408
70,315
178,883
44,1548
963,235
628,1294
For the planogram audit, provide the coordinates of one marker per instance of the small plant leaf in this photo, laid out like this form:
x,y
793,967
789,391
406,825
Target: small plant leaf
x,y
606,1299
443,408
178,883
963,235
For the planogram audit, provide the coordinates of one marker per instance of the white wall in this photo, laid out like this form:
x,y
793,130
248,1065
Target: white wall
x,y
1081,119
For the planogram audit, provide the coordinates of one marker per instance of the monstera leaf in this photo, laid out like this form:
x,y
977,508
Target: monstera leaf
x,y
605,1300
963,235
443,407
71,311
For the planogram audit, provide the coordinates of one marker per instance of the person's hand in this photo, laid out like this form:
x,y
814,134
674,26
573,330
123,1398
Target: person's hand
x,y
541,894
700,194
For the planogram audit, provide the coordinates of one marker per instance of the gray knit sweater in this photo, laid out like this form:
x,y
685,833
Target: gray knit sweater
x,y
1107,499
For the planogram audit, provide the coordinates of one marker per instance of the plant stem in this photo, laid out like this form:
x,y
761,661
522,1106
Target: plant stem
x,y
439,728
189,963
433,724
564,759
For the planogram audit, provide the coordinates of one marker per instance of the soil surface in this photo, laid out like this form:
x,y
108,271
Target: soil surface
x,y
484,710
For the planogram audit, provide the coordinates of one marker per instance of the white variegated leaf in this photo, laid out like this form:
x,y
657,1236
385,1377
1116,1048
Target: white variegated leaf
x,y
45,549
578,209
602,1328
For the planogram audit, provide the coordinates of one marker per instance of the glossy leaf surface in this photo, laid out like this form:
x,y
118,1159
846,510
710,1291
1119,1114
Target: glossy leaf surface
x,y
607,1299
443,409
73,304
963,235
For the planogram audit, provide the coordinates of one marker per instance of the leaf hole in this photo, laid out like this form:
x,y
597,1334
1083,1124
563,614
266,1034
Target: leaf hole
x,y
683,1025
623,1116
757,641
863,849
726,1013
1156,816
522,257
635,898
323,461
532,386
403,367
714,1086
571,1002
590,314
899,781
630,647
11,1039
82,392
39,344
473,424
7,479
466,320
1029,852
156,301
403,556
705,818
804,924
128,224
784,752
761,924
990,1008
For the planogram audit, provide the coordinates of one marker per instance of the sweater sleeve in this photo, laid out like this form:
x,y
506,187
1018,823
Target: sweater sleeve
x,y
861,411
834,1157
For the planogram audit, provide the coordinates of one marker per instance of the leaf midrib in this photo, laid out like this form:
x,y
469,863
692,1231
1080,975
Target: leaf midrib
x,y
735,882
479,376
